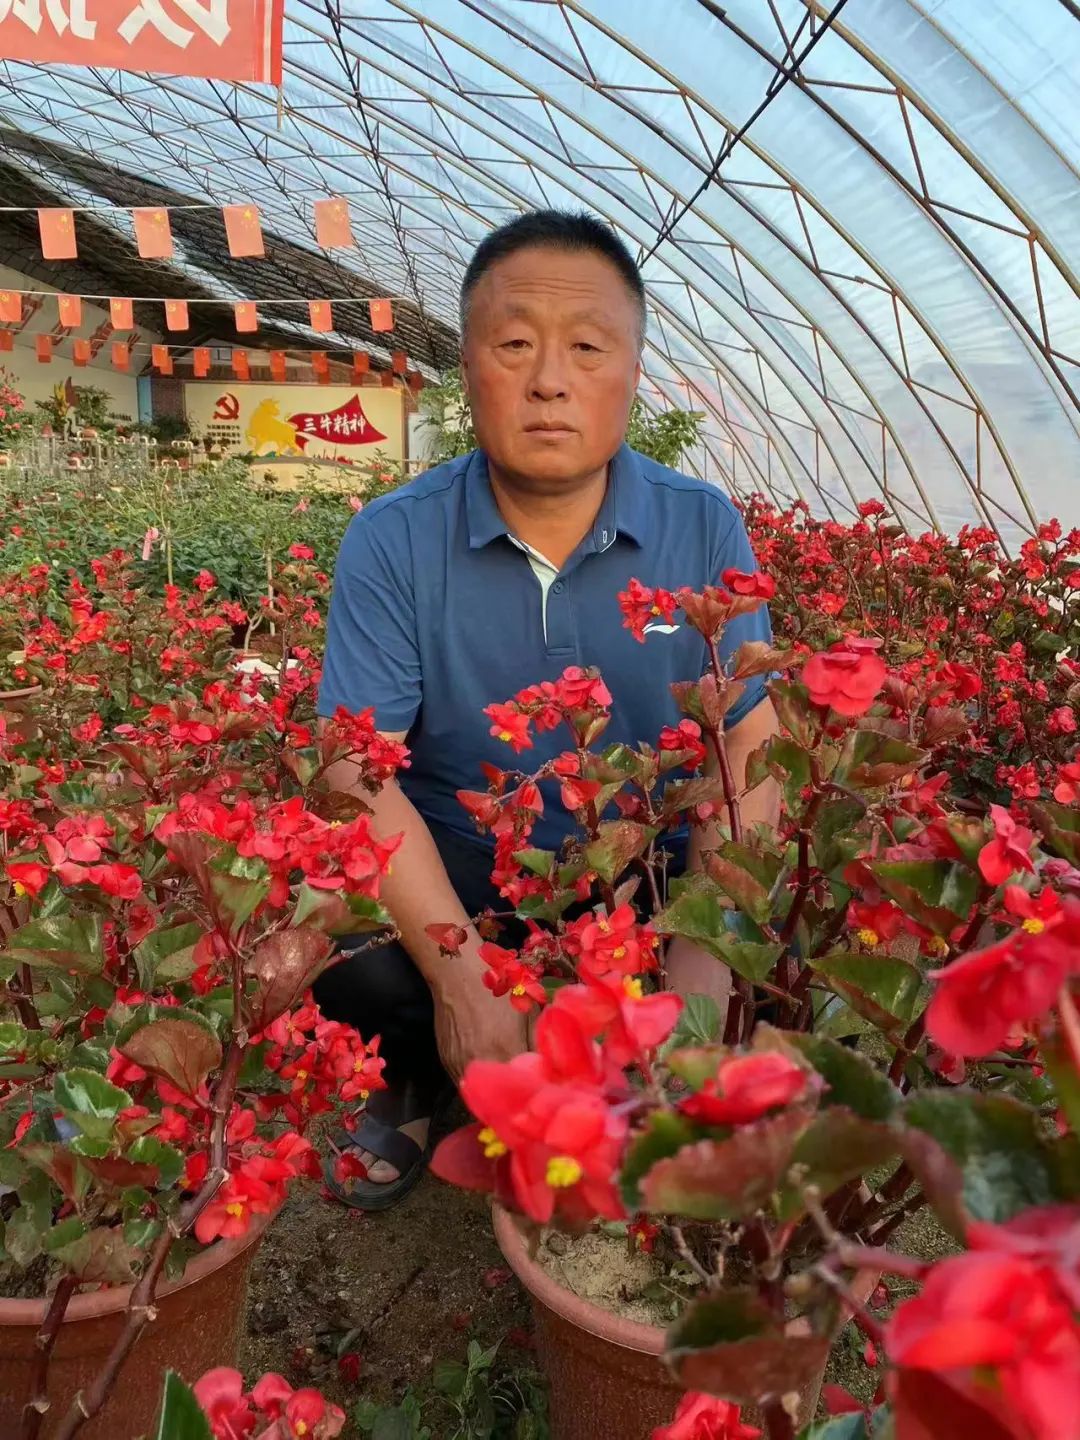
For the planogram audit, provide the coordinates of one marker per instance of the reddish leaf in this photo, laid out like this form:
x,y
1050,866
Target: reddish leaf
x,y
100,1258
619,842
119,1173
56,1161
283,966
180,1051
725,1179
728,1344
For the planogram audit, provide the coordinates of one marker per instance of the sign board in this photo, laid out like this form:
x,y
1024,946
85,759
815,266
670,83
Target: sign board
x,y
217,39
344,423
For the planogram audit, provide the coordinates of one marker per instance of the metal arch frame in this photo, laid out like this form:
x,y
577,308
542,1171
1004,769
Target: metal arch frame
x,y
854,438
792,184
775,436
1003,297
733,378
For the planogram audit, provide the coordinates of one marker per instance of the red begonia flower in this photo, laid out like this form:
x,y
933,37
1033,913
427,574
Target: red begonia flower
x,y
704,1417
745,1088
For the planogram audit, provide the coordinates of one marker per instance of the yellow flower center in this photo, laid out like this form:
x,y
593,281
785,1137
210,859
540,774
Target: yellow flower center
x,y
632,985
563,1171
505,735
1034,926
937,946
518,990
655,610
604,926
301,1427
20,890
301,1074
619,952
235,1209
493,1146
869,937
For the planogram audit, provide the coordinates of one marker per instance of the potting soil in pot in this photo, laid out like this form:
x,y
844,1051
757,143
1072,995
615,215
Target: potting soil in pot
x,y
600,1267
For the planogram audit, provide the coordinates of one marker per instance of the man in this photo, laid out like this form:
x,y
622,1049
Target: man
x,y
490,573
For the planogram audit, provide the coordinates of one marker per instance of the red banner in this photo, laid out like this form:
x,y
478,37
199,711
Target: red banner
x,y
347,425
217,39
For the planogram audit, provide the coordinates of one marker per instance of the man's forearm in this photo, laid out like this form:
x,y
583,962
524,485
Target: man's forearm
x,y
417,892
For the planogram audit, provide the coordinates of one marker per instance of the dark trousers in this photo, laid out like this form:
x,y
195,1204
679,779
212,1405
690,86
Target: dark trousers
x,y
381,992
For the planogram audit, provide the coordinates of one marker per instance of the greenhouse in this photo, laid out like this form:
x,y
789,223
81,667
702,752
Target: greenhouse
x,y
539,720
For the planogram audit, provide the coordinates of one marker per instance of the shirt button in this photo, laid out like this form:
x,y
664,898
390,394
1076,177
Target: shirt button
x,y
557,588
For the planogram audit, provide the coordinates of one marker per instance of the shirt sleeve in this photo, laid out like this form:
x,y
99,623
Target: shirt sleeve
x,y
372,654
734,552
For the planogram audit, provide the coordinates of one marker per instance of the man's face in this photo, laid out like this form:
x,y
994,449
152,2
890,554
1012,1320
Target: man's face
x,y
551,365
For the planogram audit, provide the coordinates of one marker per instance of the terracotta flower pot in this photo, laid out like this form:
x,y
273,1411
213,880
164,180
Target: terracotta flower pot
x,y
606,1375
197,1327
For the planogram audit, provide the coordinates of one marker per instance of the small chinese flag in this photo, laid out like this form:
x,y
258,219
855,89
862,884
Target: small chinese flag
x,y
200,362
70,311
81,352
416,382
320,364
322,317
176,314
57,234
122,314
387,379
243,231
121,355
382,315
161,359
10,307
241,368
333,224
7,341
43,345
153,234
361,362
277,364
246,315
399,362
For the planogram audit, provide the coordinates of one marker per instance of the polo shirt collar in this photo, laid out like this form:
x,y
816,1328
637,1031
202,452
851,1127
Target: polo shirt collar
x,y
624,511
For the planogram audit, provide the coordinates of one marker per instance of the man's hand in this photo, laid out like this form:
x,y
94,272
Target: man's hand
x,y
470,1022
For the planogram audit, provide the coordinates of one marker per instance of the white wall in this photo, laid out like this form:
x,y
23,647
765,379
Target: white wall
x,y
36,381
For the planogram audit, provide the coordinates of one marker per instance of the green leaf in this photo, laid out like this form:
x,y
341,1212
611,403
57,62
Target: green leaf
x,y
448,1377
870,760
725,1179
181,1416
617,843
881,988
90,1100
537,862
839,1427
728,1343
1007,1160
148,1150
12,1037
739,885
235,898
665,1134
61,942
698,914
851,1079
939,894
699,1022
165,954
1060,827
833,840
836,1147
64,1233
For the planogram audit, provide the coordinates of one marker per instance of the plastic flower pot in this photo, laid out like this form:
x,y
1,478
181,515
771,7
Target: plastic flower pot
x,y
197,1326
606,1374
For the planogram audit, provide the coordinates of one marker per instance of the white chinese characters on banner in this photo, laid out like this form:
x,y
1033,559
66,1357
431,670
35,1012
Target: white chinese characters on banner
x,y
219,39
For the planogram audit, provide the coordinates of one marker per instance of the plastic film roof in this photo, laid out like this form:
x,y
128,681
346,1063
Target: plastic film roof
x,y
874,293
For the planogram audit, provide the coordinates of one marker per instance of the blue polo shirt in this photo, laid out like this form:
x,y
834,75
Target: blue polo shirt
x,y
438,611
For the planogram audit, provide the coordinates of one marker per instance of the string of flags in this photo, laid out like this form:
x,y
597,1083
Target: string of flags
x,y
153,228
162,358
177,315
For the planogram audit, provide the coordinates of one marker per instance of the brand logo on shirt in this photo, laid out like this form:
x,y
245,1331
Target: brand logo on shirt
x,y
655,628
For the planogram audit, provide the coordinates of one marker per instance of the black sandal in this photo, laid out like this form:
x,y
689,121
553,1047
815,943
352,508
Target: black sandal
x,y
378,1133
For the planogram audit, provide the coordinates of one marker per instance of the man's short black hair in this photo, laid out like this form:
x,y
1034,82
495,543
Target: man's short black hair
x,y
553,230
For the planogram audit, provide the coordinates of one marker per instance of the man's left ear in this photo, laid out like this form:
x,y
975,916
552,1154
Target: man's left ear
x,y
637,377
